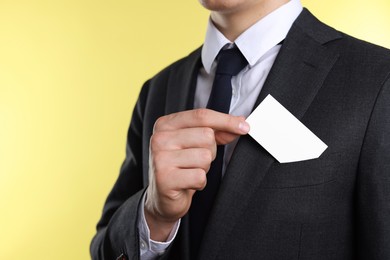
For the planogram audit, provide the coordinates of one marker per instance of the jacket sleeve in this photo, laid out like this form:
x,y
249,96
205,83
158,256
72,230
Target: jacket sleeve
x,y
373,183
117,232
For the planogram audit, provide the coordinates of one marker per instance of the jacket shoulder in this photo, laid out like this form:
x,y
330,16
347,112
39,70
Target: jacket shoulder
x,y
178,66
351,50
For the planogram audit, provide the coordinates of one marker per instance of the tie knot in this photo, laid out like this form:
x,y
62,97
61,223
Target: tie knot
x,y
230,62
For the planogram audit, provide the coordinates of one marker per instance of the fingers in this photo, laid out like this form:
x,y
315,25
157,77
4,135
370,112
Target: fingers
x,y
183,159
182,147
187,179
203,118
200,137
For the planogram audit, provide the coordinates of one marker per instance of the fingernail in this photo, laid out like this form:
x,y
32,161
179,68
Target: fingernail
x,y
244,126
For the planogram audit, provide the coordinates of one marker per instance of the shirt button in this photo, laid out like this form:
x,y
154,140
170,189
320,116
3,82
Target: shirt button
x,y
143,245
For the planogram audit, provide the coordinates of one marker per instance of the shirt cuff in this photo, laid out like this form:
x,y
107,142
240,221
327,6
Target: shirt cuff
x,y
148,246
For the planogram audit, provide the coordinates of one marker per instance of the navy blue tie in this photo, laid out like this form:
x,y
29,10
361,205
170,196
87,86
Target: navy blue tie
x,y
230,63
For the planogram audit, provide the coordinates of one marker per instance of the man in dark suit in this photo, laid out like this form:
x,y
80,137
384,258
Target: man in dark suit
x,y
333,207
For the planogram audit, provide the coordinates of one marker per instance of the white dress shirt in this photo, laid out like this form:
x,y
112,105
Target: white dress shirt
x,y
260,45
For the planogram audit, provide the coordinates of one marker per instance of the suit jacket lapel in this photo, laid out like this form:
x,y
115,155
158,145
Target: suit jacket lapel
x,y
297,75
182,84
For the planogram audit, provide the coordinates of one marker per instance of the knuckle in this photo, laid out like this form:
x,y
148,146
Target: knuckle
x,y
200,179
209,135
157,141
158,159
201,115
158,125
214,151
153,142
207,155
230,122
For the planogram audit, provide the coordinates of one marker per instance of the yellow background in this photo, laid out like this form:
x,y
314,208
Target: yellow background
x,y
70,72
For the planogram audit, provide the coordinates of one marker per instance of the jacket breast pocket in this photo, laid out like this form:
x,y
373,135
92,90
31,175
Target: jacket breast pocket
x,y
300,174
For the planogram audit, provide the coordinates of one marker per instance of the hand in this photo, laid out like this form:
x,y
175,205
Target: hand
x,y
182,147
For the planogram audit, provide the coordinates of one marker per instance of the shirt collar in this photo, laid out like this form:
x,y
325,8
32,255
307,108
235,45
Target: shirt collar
x,y
257,39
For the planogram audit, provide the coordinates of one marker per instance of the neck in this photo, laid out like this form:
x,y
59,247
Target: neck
x,y
234,22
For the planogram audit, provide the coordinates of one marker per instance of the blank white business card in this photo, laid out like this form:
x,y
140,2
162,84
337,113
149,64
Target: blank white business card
x,y
282,134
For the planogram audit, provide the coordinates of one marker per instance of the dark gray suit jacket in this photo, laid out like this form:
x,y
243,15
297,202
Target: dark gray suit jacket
x,y
333,207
